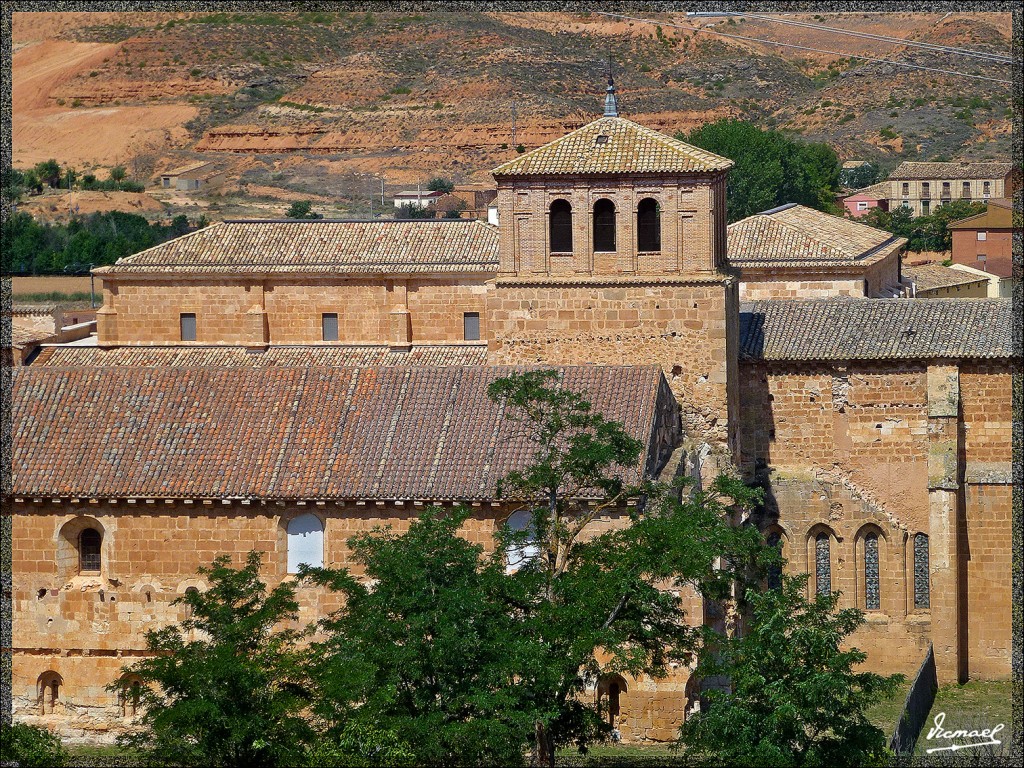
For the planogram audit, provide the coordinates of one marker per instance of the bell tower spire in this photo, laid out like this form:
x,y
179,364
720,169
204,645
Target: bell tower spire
x,y
611,103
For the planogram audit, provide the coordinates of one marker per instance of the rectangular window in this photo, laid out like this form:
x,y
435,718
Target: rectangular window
x,y
982,236
925,207
926,189
906,189
188,326
862,206
965,189
329,324
986,188
471,326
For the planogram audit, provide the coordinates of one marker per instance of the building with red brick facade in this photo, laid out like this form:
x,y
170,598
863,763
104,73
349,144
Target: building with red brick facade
x,y
254,373
985,243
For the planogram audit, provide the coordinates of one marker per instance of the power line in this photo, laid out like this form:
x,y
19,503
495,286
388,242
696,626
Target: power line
x,y
884,38
806,48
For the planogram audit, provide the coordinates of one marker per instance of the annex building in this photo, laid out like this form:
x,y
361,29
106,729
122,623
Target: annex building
x,y
285,384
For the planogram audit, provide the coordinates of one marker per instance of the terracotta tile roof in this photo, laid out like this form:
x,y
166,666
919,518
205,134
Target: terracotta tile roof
x,y
628,147
879,191
235,357
287,433
443,245
913,170
876,329
931,276
795,235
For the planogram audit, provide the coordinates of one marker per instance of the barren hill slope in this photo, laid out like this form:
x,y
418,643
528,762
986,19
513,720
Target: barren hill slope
x,y
412,95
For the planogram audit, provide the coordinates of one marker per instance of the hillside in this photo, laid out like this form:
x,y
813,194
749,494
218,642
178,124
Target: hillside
x,y
307,102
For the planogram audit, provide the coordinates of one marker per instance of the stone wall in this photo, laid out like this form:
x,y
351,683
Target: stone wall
x,y
894,449
289,310
82,629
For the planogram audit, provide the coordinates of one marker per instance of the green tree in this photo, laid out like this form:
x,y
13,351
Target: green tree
x,y
117,175
49,172
225,686
29,746
413,211
478,657
771,168
302,209
862,176
792,696
441,184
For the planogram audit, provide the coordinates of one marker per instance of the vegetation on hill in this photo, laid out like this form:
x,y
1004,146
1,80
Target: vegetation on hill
x,y
771,168
37,248
15,183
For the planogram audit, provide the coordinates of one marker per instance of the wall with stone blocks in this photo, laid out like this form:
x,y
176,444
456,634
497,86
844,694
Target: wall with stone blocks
x,y
685,327
756,288
86,627
861,447
148,312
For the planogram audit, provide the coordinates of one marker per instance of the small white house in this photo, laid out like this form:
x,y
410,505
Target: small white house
x,y
420,199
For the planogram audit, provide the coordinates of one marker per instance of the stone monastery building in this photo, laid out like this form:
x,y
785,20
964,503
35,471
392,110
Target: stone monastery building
x,y
285,384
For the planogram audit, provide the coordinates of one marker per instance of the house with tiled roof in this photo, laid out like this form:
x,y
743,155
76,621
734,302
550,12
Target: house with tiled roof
x,y
923,186
983,246
795,252
931,281
860,202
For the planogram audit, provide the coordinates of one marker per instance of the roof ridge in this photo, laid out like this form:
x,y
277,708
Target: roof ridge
x,y
207,228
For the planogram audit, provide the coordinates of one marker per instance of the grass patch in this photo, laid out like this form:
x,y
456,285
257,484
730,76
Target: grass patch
x,y
53,296
609,755
102,756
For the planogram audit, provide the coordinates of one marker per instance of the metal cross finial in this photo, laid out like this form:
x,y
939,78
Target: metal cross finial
x,y
611,103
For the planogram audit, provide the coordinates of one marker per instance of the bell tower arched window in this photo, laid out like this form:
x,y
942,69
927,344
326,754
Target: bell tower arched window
x,y
305,542
560,227
604,225
648,225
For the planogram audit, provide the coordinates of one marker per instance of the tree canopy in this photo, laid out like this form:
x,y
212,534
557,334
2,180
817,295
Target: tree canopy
x,y
924,233
771,168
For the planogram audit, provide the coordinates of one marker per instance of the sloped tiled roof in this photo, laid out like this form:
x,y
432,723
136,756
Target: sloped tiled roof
x,y
913,170
794,235
287,433
235,357
420,245
879,191
931,276
876,329
627,147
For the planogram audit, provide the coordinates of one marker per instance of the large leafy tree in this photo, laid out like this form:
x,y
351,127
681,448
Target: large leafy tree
x,y
225,686
479,661
924,233
793,697
771,168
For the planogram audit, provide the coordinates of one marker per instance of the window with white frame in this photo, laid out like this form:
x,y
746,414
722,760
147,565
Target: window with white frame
x,y
982,236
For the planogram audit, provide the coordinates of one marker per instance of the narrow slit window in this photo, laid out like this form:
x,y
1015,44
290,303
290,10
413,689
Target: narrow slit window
x,y
922,582
471,326
775,570
822,565
329,326
188,326
872,596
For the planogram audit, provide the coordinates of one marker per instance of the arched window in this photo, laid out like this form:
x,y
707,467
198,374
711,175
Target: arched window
x,y
519,554
922,588
189,610
604,225
305,542
49,685
822,564
774,540
648,225
130,694
89,542
872,597
609,692
560,227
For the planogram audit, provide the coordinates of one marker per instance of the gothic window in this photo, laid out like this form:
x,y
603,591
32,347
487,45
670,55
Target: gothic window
x,y
609,692
648,225
131,696
49,684
560,226
526,549
305,542
872,598
775,571
922,589
822,565
604,225
89,542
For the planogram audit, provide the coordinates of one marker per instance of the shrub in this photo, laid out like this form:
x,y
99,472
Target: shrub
x,y
31,747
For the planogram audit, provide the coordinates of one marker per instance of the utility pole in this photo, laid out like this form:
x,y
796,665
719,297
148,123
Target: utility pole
x,y
515,109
